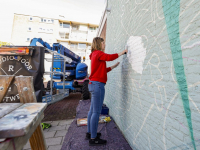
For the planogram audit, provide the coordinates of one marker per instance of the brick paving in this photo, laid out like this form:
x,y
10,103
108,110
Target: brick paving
x,y
55,135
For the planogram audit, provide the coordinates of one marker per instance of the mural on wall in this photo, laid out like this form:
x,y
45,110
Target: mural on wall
x,y
154,94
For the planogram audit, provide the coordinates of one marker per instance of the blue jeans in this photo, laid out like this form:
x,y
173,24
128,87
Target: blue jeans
x,y
97,91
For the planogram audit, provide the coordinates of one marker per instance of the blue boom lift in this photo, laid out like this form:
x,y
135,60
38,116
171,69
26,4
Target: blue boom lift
x,y
75,73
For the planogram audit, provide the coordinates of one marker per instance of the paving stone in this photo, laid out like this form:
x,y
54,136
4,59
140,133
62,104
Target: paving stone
x,y
57,128
55,147
46,130
61,133
54,123
62,140
53,141
49,134
66,122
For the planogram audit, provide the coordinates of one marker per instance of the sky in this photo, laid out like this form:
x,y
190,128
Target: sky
x,y
89,11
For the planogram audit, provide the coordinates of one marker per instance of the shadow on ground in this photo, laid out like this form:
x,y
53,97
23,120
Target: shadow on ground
x,y
64,109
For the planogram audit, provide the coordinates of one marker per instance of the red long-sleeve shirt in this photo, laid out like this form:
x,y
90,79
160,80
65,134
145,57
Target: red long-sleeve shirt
x,y
98,65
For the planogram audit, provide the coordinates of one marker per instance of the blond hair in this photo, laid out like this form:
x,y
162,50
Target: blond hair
x,y
96,43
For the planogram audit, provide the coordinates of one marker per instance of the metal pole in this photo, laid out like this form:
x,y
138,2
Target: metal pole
x,y
64,76
52,77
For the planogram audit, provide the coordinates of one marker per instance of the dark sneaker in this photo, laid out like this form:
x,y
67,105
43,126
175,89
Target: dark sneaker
x,y
97,141
88,135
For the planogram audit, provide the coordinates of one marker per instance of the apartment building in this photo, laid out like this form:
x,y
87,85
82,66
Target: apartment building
x,y
26,27
76,36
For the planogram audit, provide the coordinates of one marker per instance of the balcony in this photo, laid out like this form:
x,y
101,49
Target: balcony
x,y
64,30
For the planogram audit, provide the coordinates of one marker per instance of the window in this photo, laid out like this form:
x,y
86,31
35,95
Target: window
x,y
29,28
89,46
67,36
40,29
47,20
64,35
75,27
73,45
27,39
81,46
31,19
92,28
66,25
49,30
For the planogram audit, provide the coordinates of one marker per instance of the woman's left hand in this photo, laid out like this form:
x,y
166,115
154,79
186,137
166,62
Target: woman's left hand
x,y
114,66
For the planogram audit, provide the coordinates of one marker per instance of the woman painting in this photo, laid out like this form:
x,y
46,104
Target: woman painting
x,y
98,78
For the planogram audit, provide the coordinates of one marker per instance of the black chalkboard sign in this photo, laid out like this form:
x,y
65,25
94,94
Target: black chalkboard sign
x,y
24,65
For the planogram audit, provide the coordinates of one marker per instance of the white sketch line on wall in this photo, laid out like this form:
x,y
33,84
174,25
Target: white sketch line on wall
x,y
144,11
193,85
165,119
186,7
156,41
143,122
149,65
152,13
161,107
194,104
173,116
172,72
141,17
190,86
157,67
134,81
161,18
148,137
138,96
191,46
147,40
189,24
